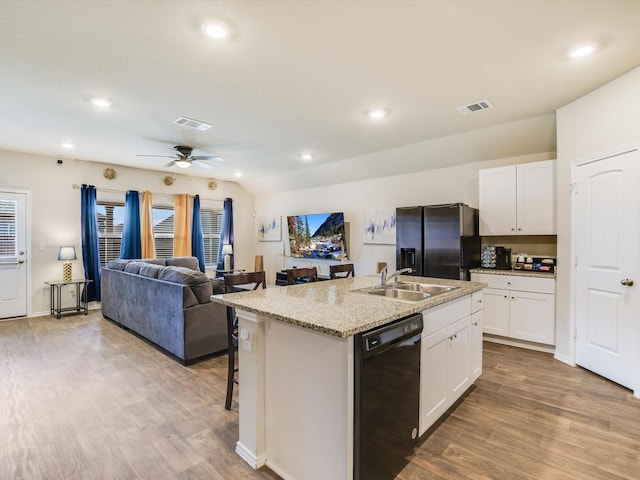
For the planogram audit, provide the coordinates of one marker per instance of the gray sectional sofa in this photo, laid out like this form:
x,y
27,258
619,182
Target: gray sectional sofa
x,y
167,301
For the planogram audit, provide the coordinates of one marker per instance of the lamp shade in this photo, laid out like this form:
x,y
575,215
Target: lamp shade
x,y
67,253
227,249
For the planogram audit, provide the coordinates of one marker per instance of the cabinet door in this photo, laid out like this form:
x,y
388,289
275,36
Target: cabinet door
x,y
476,298
495,311
476,345
532,317
434,380
497,201
459,361
536,198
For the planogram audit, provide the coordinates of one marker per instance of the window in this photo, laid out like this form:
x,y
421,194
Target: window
x,y
111,221
211,226
8,222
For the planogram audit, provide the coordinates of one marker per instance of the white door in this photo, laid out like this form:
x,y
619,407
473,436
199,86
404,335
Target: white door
x,y
13,249
607,303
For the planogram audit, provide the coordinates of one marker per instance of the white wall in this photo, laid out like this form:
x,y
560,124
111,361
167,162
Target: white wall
x,y
55,209
599,123
444,185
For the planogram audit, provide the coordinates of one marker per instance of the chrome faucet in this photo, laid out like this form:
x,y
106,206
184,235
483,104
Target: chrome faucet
x,y
384,279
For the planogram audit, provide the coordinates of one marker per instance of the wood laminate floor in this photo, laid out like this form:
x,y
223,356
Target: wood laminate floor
x,y
81,398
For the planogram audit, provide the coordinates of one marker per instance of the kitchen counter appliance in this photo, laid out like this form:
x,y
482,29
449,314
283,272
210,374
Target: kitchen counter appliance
x,y
387,398
438,241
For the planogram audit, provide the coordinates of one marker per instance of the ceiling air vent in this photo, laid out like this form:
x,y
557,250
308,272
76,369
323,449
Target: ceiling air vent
x,y
191,123
475,107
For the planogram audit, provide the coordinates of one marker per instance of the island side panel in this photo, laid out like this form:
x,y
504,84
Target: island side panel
x,y
309,403
251,390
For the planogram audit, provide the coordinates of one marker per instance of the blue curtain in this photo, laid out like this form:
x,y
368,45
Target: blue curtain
x,y
226,234
90,248
131,241
197,240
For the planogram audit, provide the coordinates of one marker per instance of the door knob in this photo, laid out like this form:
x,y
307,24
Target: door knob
x,y
627,282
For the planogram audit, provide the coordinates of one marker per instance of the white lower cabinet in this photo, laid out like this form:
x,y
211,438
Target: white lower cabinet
x,y
522,308
451,356
475,332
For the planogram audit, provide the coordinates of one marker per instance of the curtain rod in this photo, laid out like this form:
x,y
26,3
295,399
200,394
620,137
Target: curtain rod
x,y
77,186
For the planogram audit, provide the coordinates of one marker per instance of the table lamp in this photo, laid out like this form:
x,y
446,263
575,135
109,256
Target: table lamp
x,y
67,254
227,251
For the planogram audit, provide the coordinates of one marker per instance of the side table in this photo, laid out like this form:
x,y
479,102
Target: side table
x,y
55,296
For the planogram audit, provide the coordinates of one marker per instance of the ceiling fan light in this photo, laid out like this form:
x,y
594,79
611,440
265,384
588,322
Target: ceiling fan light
x,y
182,163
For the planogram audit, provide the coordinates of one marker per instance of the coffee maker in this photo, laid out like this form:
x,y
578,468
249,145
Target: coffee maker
x,y
503,258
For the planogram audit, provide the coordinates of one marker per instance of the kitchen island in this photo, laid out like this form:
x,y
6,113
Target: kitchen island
x,y
296,352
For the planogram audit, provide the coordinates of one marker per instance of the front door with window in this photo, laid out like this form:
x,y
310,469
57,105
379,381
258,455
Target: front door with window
x,y
13,254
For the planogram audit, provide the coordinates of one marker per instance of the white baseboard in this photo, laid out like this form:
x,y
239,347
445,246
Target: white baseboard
x,y
519,343
249,457
564,359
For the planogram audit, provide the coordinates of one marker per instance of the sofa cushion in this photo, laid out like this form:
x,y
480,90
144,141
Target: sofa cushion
x,y
154,261
217,285
198,282
150,270
118,264
134,267
188,262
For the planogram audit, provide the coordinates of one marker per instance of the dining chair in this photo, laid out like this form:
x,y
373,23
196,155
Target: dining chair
x,y
302,275
341,270
237,282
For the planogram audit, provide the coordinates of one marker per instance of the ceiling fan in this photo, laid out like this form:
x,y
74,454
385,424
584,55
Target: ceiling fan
x,y
183,158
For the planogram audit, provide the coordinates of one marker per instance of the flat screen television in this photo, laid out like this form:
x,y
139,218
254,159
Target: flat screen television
x,y
318,236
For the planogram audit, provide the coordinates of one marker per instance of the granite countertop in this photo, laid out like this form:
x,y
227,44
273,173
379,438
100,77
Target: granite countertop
x,y
331,307
518,273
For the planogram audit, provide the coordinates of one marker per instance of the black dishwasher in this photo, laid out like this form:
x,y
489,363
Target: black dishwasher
x,y
387,398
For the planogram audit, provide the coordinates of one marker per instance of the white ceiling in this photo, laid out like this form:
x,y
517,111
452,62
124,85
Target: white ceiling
x,y
299,76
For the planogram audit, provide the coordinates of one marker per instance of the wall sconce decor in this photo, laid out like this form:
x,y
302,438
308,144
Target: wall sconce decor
x,y
168,180
66,254
109,173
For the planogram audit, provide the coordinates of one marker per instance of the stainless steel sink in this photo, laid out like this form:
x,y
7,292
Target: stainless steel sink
x,y
424,287
399,294
411,291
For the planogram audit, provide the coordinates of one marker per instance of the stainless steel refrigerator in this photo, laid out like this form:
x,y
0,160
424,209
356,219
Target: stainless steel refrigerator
x,y
440,241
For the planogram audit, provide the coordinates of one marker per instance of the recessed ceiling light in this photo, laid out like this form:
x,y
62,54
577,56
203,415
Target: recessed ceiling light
x,y
377,113
582,51
67,145
238,174
101,102
306,157
216,30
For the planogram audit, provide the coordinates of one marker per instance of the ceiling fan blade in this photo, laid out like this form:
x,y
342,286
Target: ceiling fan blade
x,y
157,156
208,157
201,163
170,164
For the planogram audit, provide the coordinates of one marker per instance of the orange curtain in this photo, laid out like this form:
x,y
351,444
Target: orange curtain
x,y
146,227
181,226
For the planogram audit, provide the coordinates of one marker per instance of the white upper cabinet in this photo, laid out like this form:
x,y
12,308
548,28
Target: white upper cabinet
x,y
518,199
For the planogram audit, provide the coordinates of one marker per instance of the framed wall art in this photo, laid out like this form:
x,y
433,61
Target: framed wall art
x,y
380,226
269,229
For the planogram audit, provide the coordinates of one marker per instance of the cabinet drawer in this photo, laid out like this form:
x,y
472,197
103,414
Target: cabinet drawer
x,y
515,282
441,316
